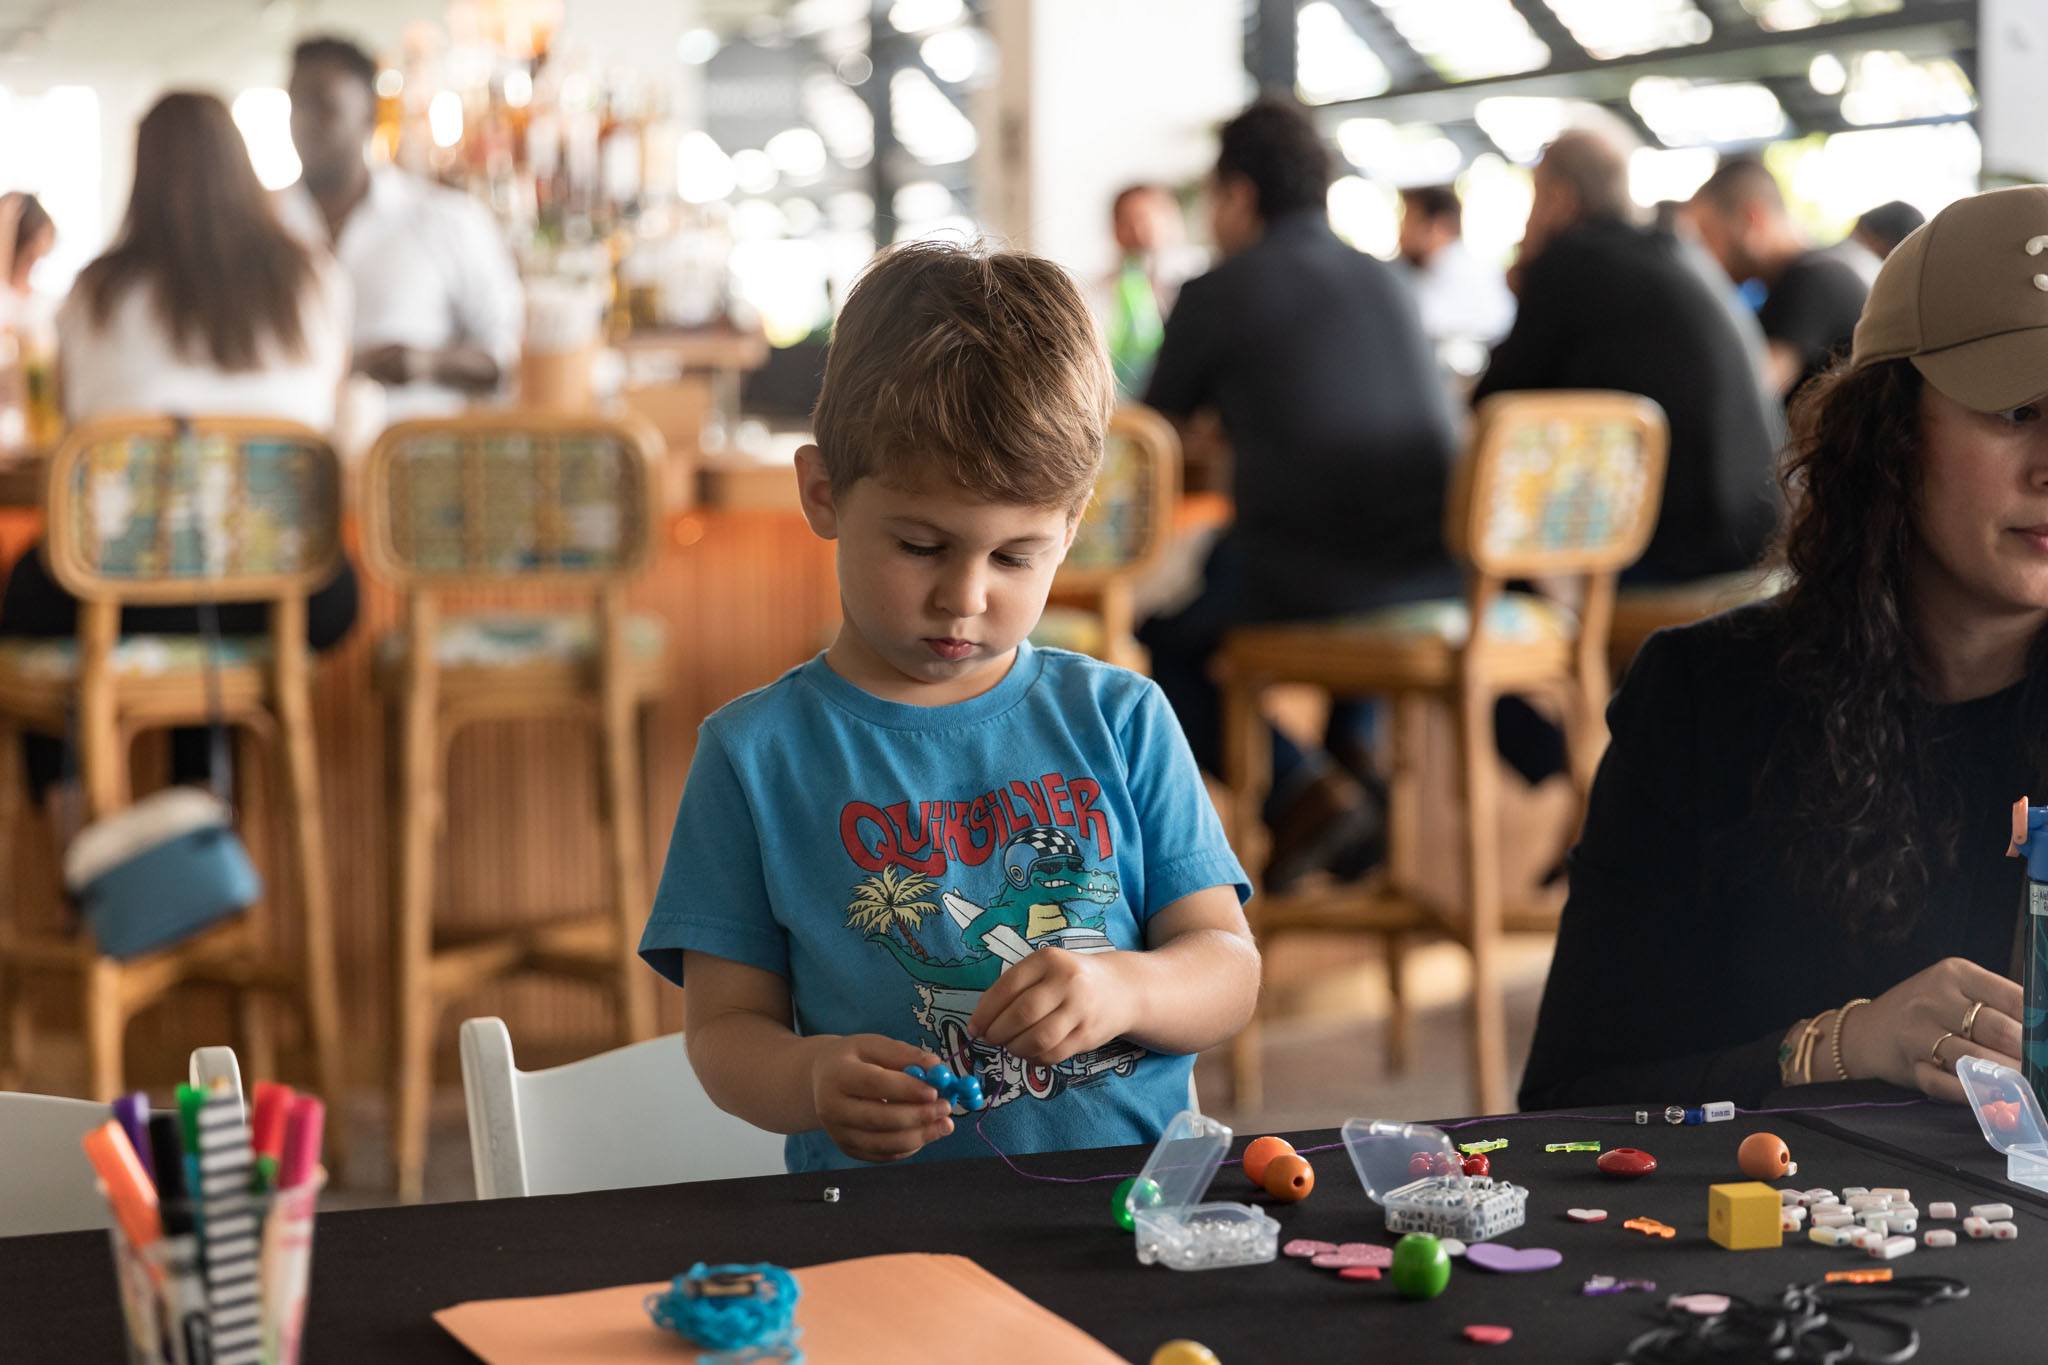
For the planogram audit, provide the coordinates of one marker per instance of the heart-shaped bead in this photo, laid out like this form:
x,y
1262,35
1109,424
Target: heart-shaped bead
x,y
1586,1215
1355,1254
1359,1272
1505,1260
1304,1247
1488,1335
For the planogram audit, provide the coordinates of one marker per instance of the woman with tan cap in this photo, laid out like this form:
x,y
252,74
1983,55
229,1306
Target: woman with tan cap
x,y
1792,868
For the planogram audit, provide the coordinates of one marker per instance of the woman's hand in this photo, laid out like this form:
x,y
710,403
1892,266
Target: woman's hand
x,y
1890,1038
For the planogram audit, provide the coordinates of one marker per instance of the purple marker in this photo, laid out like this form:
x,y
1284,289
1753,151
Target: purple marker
x,y
132,1113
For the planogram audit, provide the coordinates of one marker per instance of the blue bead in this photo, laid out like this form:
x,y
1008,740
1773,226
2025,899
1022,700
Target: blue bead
x,y
940,1077
1695,1116
971,1096
914,1071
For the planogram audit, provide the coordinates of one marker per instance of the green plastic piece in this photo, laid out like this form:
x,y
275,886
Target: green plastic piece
x,y
1479,1148
1133,1192
1571,1147
1422,1268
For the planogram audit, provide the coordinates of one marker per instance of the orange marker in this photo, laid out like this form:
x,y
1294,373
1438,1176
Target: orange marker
x,y
129,1190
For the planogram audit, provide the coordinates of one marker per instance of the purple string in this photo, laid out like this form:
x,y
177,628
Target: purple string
x,y
982,1119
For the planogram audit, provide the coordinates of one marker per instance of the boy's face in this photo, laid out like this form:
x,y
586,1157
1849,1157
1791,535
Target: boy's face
x,y
938,587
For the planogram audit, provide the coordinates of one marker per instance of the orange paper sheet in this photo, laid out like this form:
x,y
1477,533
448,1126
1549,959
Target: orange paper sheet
x,y
878,1310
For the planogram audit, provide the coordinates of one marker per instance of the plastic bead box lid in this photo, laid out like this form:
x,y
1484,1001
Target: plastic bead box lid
x,y
2010,1114
1178,1230
1470,1208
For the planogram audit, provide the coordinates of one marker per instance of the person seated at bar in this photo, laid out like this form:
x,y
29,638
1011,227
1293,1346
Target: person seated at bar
x,y
205,305
1793,865
1811,298
1313,355
1876,235
437,300
1461,297
1091,937
1607,303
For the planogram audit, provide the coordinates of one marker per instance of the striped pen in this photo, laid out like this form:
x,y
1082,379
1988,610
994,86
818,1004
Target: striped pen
x,y
233,1290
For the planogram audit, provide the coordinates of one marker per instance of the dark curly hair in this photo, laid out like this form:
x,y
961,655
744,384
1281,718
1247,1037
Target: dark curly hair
x,y
1276,148
1879,819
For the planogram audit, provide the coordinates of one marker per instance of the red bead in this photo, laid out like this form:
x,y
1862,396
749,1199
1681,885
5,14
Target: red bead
x,y
1626,1163
1477,1164
1419,1165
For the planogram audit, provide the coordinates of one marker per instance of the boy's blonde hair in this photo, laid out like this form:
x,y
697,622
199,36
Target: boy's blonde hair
x,y
982,367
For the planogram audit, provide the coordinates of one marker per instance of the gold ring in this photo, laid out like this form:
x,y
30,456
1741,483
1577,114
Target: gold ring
x,y
1970,1020
1934,1053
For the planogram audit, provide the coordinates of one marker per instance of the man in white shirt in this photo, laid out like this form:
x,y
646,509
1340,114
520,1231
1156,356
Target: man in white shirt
x,y
1461,297
437,300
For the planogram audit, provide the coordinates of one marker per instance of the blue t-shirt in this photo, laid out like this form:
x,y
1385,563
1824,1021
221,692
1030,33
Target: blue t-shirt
x,y
890,861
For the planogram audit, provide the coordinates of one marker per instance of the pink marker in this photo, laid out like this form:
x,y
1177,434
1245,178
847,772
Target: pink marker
x,y
302,1135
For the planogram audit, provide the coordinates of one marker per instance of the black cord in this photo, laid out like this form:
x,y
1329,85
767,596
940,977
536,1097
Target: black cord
x,y
1806,1324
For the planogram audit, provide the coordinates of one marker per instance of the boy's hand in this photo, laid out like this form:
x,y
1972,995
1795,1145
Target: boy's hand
x,y
865,1103
1053,1005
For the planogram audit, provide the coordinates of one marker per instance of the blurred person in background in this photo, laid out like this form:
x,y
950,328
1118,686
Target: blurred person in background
x,y
437,300
27,235
1153,261
1313,355
1812,299
204,305
1461,298
1876,235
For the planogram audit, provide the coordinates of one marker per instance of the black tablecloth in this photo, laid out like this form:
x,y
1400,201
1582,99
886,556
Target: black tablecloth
x,y
379,1275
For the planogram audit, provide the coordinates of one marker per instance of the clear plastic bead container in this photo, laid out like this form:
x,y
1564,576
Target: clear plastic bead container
x,y
1178,1231
1469,1208
2010,1114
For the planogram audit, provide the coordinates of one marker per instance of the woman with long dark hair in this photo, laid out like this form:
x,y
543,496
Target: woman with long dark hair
x,y
205,305
1793,865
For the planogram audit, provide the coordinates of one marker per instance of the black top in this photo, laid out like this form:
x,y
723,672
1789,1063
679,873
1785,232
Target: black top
x,y
1814,307
1610,306
1688,947
1314,356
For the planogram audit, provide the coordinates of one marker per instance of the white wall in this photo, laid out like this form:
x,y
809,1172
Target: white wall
x,y
1095,95
2012,75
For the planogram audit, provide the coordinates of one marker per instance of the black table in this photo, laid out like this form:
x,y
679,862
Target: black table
x,y
379,1275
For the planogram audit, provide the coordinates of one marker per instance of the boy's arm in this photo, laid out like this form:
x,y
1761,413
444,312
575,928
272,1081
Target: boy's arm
x,y
1191,989
753,1064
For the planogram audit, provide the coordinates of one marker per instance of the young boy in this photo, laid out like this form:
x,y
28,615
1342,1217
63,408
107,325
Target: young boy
x,y
935,842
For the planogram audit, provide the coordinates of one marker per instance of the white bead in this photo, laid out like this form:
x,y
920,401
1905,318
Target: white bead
x,y
1861,1202
1793,1213
1939,1237
1904,1211
2036,245
1864,1237
2041,283
1891,1248
1790,1197
2004,1231
1827,1236
1942,1210
1894,1193
1977,1227
1991,1213
1879,1223
1848,1190
1720,1111
1832,1216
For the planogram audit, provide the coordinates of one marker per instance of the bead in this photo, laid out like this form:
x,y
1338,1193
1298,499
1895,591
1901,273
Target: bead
x,y
1359,1272
2004,1231
939,1077
1674,1115
831,1194
1938,1237
1261,1151
1897,1194
1642,1116
1764,1156
1976,1227
1289,1178
1891,1248
1704,1305
1720,1111
1991,1213
1942,1210
914,1071
1832,1216
1184,1353
1419,1166
1132,1194
1695,1117
1420,1269
1626,1163
1827,1236
1477,1164
1487,1334
1586,1215
1502,1260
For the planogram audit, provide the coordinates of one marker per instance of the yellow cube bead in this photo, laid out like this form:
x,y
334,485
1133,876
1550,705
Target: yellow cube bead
x,y
1744,1216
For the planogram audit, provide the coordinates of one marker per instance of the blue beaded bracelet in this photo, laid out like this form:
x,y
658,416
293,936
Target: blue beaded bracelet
x,y
748,1311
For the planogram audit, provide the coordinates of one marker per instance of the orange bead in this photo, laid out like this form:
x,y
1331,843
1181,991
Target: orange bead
x,y
1764,1156
1261,1152
1289,1178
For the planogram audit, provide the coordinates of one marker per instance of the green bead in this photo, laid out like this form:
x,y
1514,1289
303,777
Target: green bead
x,y
1422,1268
1132,1193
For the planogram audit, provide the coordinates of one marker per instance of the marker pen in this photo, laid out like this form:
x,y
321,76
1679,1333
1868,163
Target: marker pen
x,y
266,1135
132,1112
178,1252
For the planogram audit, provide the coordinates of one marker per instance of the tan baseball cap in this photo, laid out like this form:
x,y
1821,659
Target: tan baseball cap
x,y
1965,298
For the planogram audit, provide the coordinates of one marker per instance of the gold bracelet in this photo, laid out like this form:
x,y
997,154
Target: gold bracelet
x,y
1835,1046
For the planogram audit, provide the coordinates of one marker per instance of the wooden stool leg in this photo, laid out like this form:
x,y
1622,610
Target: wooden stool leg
x,y
105,1019
321,978
255,1017
14,1012
1247,773
1407,732
624,829
1481,767
416,817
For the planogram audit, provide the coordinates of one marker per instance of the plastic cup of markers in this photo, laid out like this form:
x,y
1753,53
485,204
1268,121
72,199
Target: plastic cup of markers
x,y
142,1312
287,1267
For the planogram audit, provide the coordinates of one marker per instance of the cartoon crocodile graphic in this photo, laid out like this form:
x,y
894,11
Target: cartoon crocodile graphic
x,y
1043,874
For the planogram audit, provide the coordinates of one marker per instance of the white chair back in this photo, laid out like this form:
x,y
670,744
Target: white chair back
x,y
633,1116
46,1184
